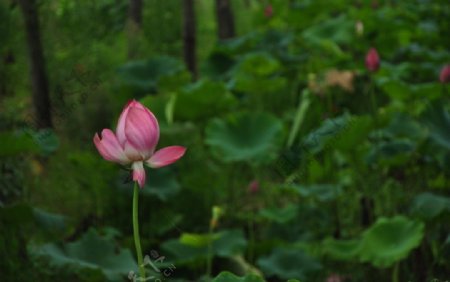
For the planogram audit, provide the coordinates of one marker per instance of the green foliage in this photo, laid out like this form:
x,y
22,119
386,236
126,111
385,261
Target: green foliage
x,y
288,263
363,148
253,137
390,240
142,77
229,277
428,206
386,242
190,247
93,252
202,100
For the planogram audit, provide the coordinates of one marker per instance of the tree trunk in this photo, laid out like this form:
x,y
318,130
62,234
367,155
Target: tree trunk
x,y
135,12
367,211
39,82
225,20
134,26
189,37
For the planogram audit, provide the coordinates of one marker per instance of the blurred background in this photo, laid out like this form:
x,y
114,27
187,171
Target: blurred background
x,y
307,159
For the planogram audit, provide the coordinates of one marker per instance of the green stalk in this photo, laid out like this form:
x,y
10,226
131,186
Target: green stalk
x,y
210,254
395,276
373,102
299,117
137,240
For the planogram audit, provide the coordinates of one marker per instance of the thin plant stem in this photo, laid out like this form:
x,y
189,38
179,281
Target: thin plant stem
x,y
395,277
137,239
251,230
210,255
373,101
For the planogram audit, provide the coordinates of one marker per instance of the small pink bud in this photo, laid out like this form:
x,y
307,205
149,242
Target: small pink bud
x,y
268,11
444,77
372,60
253,187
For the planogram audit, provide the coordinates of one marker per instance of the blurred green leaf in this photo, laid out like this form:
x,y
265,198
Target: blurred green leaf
x,y
190,246
320,192
254,137
288,263
390,240
437,119
280,215
93,252
50,221
14,144
428,205
341,249
229,277
143,76
203,99
339,30
327,133
162,184
257,73
356,133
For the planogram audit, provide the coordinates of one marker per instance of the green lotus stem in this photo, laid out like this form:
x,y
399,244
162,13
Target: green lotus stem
x,y
395,272
137,239
210,255
373,101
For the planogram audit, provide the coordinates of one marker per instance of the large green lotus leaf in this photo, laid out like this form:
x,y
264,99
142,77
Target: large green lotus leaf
x,y
254,137
191,246
229,277
437,119
428,205
390,240
203,99
94,252
142,76
280,215
328,132
341,249
289,263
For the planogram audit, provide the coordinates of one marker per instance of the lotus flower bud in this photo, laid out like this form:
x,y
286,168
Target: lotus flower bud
x,y
444,77
372,60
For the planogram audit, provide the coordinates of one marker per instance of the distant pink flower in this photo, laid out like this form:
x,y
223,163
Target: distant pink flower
x,y
268,11
334,278
134,142
372,60
444,77
253,187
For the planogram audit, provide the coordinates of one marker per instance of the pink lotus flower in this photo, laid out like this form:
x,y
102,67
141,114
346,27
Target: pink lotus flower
x,y
444,77
372,60
134,142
